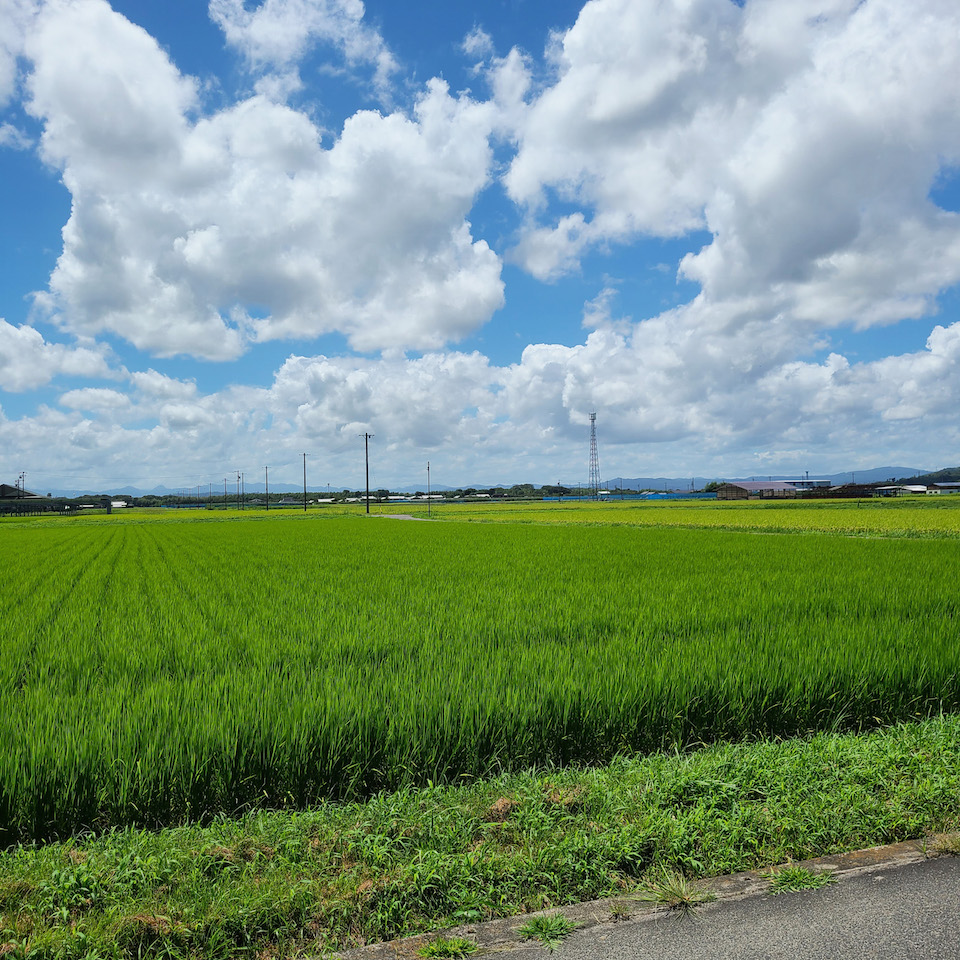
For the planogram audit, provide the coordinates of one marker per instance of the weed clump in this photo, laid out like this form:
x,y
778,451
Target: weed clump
x,y
793,878
550,930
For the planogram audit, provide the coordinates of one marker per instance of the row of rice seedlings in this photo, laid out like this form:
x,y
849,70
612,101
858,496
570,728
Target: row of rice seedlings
x,y
202,668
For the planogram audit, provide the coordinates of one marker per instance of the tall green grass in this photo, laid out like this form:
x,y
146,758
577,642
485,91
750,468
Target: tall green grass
x,y
163,672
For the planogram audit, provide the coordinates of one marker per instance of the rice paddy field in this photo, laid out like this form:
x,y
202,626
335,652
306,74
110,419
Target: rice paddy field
x,y
159,670
926,516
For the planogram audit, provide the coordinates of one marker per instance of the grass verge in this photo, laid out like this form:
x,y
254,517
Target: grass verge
x,y
273,885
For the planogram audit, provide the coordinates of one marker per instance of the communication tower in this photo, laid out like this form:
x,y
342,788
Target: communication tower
x,y
594,459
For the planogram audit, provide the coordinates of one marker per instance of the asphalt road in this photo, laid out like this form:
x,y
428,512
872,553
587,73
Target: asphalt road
x,y
909,912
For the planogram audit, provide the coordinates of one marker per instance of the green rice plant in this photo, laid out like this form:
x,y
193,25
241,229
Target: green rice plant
x,y
901,517
161,670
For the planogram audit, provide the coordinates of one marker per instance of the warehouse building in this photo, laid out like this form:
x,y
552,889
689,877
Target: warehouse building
x,y
756,490
14,499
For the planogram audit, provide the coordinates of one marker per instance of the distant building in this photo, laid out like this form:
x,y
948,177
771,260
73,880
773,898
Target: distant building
x,y
948,486
756,490
804,483
846,491
16,500
15,493
903,489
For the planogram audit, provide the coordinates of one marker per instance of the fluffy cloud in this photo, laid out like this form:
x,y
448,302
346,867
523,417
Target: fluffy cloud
x,y
15,18
102,401
478,43
10,136
804,135
27,361
278,33
661,395
435,401
151,385
438,404
624,127
665,393
179,225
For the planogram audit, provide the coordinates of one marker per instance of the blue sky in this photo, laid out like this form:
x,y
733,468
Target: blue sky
x,y
236,232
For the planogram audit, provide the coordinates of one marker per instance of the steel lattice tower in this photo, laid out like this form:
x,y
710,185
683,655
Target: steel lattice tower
x,y
594,458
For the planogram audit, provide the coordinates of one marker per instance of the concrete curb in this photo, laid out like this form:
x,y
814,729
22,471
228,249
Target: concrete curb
x,y
499,936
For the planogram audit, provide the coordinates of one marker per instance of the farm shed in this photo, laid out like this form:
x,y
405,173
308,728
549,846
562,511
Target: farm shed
x,y
16,500
13,493
756,490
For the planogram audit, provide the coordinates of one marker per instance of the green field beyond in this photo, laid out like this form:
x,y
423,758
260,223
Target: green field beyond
x,y
936,516
162,670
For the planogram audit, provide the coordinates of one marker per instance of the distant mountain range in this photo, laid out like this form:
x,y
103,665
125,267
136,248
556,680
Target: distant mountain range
x,y
875,475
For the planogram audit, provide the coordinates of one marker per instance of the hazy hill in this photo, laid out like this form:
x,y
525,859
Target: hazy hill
x,y
946,475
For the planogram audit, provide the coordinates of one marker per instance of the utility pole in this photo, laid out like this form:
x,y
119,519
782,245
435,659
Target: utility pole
x,y
266,485
428,488
367,437
304,483
238,489
23,485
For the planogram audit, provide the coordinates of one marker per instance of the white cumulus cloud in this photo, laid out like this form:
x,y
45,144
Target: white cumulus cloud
x,y
277,33
15,18
28,361
804,135
181,226
802,139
